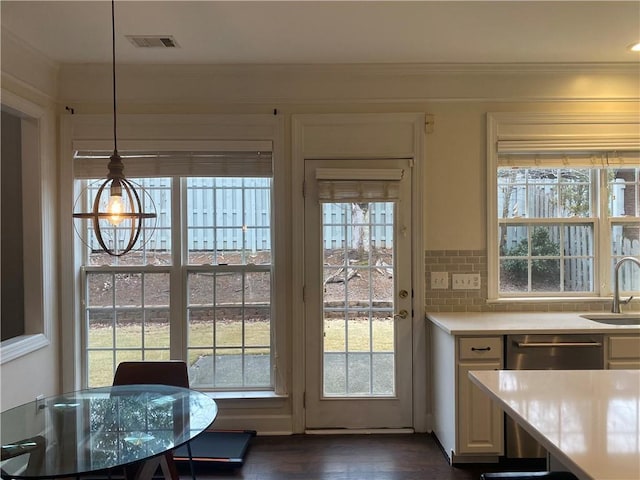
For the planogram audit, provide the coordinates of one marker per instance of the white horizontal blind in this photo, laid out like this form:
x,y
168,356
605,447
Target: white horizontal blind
x,y
569,160
358,191
93,164
358,185
624,159
577,145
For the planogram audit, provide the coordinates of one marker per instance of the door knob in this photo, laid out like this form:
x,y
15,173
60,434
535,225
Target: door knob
x,y
401,314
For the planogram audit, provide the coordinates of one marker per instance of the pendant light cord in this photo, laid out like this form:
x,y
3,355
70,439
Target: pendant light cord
x,y
113,71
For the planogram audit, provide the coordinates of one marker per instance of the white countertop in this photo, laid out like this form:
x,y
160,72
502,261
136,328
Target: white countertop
x,y
500,323
589,420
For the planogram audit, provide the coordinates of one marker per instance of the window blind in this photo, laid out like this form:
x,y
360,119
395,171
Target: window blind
x,y
569,145
570,160
93,164
358,185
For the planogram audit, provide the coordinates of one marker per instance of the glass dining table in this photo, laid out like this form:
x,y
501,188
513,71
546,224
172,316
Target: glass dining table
x,y
100,429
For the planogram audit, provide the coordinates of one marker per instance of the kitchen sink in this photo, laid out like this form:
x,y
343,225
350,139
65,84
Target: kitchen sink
x,y
614,319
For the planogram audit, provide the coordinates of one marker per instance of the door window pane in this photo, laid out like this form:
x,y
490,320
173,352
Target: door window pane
x,y
358,299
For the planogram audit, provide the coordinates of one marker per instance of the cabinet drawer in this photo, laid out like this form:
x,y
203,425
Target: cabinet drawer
x,y
471,348
624,347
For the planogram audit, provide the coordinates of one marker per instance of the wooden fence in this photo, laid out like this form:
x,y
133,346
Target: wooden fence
x,y
232,214
575,241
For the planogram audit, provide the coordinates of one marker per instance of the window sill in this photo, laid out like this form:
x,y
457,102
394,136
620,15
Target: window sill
x,y
248,399
548,300
20,346
245,395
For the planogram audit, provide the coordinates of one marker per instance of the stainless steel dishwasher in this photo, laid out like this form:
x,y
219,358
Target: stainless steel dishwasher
x,y
546,352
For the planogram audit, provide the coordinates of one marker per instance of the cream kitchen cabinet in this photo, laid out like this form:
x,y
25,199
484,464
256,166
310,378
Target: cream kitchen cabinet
x,y
466,422
622,351
467,425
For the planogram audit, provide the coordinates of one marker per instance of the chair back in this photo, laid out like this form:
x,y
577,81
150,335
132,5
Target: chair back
x,y
159,372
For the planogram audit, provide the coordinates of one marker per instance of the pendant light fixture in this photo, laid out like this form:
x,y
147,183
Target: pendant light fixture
x,y
117,215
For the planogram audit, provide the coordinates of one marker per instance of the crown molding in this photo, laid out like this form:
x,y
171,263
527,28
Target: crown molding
x,y
381,68
13,41
25,69
34,92
182,85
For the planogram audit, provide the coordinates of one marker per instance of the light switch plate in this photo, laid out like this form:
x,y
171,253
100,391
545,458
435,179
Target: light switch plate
x,y
439,280
465,281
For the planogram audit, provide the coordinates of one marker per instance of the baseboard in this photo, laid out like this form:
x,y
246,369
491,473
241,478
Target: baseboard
x,y
263,424
357,431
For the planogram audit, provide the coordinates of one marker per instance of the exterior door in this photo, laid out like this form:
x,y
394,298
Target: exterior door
x,y
358,294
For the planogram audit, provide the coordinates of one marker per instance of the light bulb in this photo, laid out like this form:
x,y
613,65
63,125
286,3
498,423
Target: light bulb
x,y
115,209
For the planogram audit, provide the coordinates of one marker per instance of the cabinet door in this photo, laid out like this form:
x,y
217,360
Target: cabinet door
x,y
480,422
624,352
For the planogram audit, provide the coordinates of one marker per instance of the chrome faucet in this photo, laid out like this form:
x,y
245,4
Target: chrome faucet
x,y
616,284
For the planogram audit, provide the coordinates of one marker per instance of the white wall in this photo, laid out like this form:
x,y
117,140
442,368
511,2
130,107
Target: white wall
x,y
29,86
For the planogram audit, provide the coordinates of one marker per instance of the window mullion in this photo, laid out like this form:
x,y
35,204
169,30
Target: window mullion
x,y
177,308
603,234
84,327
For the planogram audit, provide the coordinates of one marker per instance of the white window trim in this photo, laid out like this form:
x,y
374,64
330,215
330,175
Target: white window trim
x,y
38,231
171,132
552,132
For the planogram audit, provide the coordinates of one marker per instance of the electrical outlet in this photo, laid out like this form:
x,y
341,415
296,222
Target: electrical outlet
x,y
465,281
439,280
39,402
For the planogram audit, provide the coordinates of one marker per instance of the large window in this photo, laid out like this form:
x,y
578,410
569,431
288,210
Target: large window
x,y
564,205
200,288
549,220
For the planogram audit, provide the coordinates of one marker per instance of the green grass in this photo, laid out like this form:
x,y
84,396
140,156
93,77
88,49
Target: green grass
x,y
129,341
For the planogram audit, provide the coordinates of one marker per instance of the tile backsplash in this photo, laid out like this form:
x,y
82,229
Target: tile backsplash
x,y
475,261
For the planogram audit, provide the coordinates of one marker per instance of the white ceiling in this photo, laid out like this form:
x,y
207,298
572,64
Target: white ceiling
x,y
332,32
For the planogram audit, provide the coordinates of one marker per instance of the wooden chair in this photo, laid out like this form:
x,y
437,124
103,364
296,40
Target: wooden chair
x,y
169,372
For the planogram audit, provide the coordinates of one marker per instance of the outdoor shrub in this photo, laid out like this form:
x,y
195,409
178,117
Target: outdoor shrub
x,y
541,245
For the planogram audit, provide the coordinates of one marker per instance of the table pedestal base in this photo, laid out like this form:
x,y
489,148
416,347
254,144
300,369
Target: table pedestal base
x,y
148,468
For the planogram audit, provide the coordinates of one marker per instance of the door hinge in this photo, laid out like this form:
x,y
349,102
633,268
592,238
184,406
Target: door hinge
x,y
304,399
304,189
304,294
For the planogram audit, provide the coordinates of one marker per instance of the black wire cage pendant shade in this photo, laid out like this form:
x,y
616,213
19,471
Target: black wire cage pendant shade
x,y
117,214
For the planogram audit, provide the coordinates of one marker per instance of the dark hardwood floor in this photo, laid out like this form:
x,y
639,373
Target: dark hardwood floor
x,y
346,457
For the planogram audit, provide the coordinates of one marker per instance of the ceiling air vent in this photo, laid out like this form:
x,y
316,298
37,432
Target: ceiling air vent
x,y
149,41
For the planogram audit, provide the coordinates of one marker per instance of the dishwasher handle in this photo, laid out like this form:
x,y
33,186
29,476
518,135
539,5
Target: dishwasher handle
x,y
557,344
